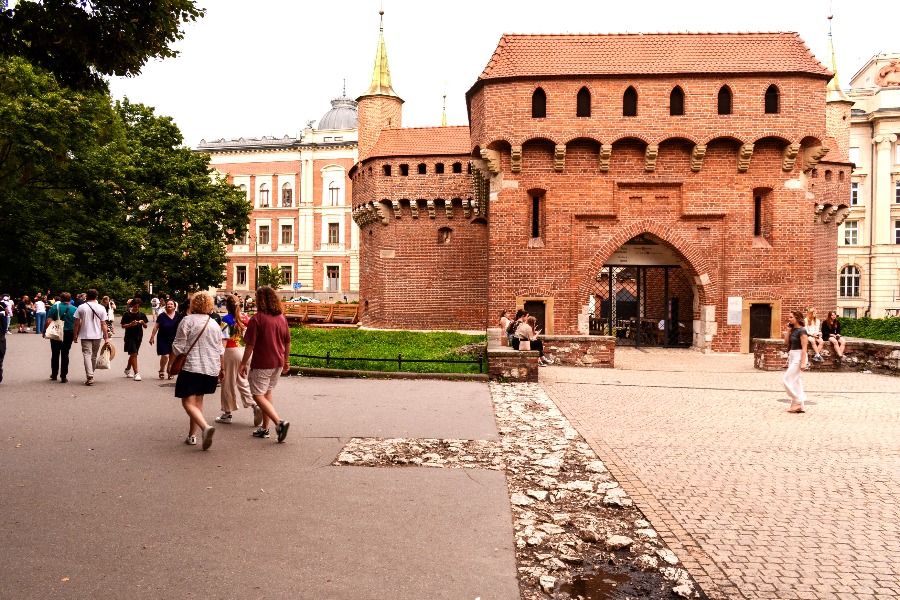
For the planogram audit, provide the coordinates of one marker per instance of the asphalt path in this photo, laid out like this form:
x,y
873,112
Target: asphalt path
x,y
100,497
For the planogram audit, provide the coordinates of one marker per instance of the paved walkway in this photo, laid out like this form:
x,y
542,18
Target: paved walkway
x,y
758,503
101,499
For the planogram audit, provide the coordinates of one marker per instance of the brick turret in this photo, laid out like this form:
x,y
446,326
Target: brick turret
x,y
380,107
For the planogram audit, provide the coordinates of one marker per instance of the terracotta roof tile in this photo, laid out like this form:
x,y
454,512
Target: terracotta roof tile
x,y
524,55
422,141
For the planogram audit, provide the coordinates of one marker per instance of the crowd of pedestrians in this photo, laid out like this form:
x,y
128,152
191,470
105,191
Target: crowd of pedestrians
x,y
241,356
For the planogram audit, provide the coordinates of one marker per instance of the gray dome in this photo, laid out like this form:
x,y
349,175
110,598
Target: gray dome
x,y
343,115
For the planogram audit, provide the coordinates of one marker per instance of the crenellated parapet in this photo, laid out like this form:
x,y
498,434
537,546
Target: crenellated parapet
x,y
387,210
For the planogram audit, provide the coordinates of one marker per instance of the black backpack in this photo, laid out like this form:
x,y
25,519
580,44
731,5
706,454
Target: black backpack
x,y
511,330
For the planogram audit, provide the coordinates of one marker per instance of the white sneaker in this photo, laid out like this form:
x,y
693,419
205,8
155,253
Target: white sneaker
x,y
137,377
191,440
128,373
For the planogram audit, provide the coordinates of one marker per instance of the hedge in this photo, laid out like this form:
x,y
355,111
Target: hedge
x,y
887,330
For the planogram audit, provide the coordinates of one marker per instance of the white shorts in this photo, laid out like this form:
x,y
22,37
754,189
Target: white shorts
x,y
263,380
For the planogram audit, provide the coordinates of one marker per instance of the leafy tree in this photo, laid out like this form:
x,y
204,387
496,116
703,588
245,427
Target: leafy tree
x,y
83,40
270,277
184,211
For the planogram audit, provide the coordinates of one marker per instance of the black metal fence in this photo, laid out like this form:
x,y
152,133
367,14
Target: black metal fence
x,y
399,360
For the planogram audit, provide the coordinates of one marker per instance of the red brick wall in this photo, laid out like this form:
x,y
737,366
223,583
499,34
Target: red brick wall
x,y
374,114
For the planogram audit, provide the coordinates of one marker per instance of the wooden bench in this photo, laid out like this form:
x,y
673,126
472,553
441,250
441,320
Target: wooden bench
x,y
317,312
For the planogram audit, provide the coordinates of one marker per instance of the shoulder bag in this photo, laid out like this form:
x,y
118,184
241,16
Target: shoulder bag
x,y
56,329
177,363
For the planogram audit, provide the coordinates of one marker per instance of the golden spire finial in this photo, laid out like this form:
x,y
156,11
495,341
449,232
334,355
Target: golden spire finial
x,y
381,75
444,116
833,89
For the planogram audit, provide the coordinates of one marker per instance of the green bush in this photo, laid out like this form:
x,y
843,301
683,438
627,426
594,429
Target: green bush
x,y
346,343
887,330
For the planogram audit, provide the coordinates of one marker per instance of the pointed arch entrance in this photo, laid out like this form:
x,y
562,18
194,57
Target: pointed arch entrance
x,y
645,292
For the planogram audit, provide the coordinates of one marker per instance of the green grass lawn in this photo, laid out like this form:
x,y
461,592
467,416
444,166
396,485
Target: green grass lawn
x,y
356,343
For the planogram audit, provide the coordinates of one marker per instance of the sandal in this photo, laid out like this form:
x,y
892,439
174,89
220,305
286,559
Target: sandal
x,y
162,374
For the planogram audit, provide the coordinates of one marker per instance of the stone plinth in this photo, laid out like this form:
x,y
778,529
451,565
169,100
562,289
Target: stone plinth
x,y
860,355
581,350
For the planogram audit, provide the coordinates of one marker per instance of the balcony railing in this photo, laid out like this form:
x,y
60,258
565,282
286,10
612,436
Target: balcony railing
x,y
329,246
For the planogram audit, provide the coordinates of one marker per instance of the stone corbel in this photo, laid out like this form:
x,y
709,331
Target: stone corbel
x,y
788,157
430,205
559,158
843,213
448,208
515,158
605,154
819,209
650,157
381,212
396,205
828,213
475,207
414,208
467,208
697,155
812,156
492,158
744,155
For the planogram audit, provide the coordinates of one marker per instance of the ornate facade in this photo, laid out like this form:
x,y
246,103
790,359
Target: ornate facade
x,y
300,191
868,279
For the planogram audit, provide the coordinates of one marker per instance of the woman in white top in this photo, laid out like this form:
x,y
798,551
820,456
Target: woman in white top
x,y
203,367
814,332
504,325
40,314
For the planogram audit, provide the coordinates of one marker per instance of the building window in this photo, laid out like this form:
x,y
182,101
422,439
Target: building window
x,y
263,236
772,100
287,274
287,234
334,233
897,192
422,169
629,102
897,232
724,100
851,233
457,167
439,168
583,103
849,284
827,174
854,156
850,313
536,216
264,196
334,194
333,278
676,102
538,104
404,170
386,169
287,195
240,276
243,189
444,235
854,194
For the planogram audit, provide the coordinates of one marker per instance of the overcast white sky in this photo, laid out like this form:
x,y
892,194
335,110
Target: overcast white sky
x,y
266,67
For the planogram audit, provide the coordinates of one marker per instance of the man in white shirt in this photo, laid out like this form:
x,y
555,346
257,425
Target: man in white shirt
x,y
90,328
154,306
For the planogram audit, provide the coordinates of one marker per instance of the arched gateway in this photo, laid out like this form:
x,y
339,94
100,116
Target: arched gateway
x,y
644,295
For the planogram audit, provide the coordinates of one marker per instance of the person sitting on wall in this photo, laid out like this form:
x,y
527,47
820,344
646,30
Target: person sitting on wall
x,y
528,331
511,330
831,332
813,331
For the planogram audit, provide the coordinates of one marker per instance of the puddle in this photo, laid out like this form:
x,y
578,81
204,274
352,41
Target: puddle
x,y
596,586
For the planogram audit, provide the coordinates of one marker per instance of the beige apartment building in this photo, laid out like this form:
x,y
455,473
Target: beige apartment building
x,y
301,222
869,237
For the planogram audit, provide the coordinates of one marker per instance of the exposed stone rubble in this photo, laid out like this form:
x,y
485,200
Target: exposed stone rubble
x,y
578,534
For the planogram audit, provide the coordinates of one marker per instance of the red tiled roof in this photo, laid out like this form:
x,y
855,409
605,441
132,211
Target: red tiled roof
x,y
524,55
422,141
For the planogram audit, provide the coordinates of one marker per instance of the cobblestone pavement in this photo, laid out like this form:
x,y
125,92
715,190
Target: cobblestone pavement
x,y
757,503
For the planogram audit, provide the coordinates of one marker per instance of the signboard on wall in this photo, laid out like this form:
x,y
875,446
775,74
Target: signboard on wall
x,y
735,310
650,255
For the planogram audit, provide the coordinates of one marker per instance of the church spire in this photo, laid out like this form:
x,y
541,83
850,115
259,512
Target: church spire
x,y
444,115
833,89
381,76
